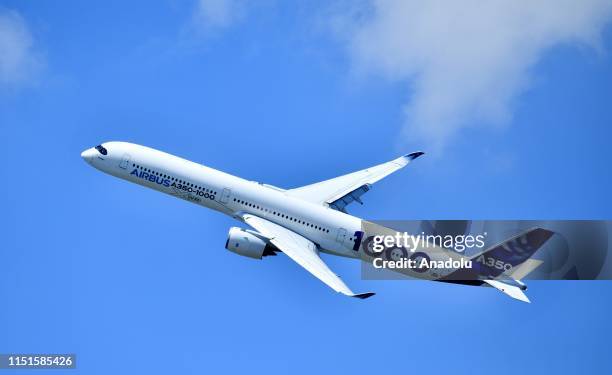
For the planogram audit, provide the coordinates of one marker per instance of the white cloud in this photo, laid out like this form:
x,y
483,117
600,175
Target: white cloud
x,y
218,14
465,61
17,59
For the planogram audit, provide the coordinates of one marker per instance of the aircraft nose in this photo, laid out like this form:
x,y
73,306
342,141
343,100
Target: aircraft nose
x,y
88,155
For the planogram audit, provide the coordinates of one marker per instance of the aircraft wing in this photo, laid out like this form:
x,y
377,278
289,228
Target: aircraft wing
x,y
338,192
303,251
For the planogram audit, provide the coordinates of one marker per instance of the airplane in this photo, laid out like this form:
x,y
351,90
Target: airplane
x,y
309,220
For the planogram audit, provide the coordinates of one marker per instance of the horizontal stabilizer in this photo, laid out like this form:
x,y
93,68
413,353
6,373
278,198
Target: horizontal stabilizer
x,y
511,290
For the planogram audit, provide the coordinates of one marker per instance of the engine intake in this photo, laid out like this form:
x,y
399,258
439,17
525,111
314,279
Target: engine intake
x,y
249,243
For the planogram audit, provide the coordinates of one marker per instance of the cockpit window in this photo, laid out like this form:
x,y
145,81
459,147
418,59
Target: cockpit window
x,y
101,149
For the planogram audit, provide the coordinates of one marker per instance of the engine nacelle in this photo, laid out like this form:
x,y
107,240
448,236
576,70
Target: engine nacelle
x,y
247,243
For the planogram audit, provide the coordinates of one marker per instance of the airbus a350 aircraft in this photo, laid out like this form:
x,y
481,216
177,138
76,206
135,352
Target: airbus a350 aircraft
x,y
307,220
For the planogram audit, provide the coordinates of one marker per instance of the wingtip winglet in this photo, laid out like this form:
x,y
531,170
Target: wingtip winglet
x,y
413,155
363,295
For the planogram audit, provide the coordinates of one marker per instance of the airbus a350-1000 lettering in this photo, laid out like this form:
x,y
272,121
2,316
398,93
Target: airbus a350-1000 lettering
x,y
307,220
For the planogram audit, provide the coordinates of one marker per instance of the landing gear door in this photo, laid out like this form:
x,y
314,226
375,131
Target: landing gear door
x,y
125,161
225,195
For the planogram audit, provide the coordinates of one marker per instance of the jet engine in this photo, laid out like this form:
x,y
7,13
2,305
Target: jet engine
x,y
249,243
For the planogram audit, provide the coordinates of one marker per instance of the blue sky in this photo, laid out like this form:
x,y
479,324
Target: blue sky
x,y
135,281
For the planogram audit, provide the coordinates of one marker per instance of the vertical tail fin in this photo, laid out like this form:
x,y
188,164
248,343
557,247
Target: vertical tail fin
x,y
504,257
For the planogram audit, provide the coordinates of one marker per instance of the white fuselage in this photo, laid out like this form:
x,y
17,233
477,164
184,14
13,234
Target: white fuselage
x,y
333,231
